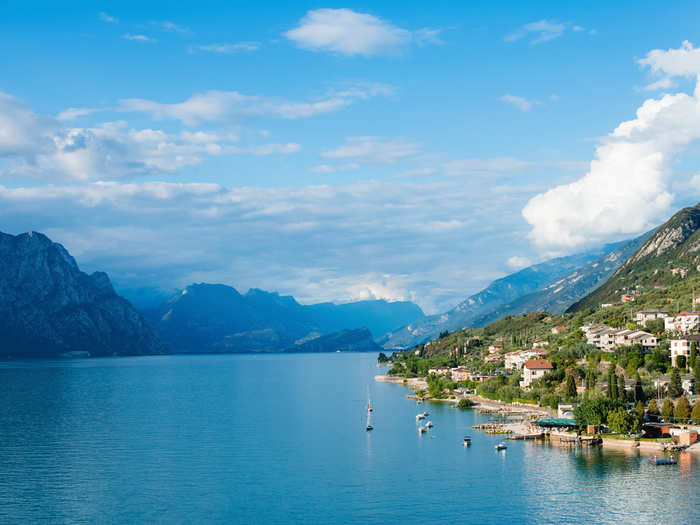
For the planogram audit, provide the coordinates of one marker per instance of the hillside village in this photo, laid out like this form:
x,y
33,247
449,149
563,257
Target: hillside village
x,y
632,357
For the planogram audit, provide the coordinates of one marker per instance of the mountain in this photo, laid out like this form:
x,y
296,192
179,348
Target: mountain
x,y
557,297
553,284
217,318
669,256
48,307
359,340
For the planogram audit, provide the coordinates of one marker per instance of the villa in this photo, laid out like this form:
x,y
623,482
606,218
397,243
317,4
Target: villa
x,y
534,369
681,347
440,370
649,315
516,360
684,322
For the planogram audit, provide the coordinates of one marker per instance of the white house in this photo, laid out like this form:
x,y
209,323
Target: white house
x,y
534,369
515,360
681,346
649,315
684,322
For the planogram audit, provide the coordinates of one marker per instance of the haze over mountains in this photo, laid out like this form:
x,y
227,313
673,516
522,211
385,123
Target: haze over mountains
x,y
553,286
48,307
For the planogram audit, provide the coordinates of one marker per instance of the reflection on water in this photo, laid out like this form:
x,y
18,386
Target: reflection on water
x,y
281,439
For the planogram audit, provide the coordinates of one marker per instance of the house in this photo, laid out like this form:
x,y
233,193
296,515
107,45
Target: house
x,y
684,322
495,348
681,346
534,369
540,343
644,339
606,338
628,297
680,271
515,360
461,374
558,329
440,370
606,305
687,382
649,315
493,358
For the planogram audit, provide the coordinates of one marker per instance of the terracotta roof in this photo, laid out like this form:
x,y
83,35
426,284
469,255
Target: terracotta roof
x,y
538,364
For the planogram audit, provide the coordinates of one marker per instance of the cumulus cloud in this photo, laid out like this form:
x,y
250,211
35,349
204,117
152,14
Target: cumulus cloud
x,y
517,262
43,147
521,103
324,242
217,106
626,189
372,150
350,33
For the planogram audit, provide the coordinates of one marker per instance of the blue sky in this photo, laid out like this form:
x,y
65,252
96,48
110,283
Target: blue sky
x,y
343,151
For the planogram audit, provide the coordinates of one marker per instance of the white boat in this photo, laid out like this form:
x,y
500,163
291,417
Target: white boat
x,y
429,424
467,441
369,426
501,446
422,430
420,416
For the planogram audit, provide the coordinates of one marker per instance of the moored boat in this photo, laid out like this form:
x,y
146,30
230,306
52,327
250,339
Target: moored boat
x,y
501,446
663,461
467,441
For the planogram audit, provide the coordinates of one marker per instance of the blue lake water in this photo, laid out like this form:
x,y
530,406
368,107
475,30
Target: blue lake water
x,y
281,439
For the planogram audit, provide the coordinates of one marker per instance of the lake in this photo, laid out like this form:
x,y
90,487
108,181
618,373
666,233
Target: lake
x,y
281,439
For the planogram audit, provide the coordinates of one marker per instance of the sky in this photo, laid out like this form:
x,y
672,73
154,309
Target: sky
x,y
344,151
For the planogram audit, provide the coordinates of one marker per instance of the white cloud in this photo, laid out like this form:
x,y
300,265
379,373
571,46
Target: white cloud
x,y
626,189
544,31
350,33
107,18
662,83
372,150
139,38
172,27
521,103
230,48
43,147
360,237
517,262
216,106
73,113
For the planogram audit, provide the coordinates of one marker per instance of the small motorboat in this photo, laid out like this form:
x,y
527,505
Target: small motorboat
x,y
663,461
467,441
369,427
429,424
420,416
422,430
501,446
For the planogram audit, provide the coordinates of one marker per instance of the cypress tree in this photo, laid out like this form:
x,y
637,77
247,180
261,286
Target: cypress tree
x,y
570,387
667,409
693,354
675,387
612,385
653,408
621,392
638,389
695,414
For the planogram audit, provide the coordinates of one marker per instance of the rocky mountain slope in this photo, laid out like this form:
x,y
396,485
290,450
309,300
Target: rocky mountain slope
x,y
552,285
217,318
359,340
670,255
48,307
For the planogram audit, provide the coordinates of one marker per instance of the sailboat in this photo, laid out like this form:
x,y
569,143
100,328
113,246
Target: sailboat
x,y
369,413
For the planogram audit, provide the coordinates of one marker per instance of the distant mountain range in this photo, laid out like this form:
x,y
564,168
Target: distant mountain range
x,y
49,308
551,286
668,256
217,318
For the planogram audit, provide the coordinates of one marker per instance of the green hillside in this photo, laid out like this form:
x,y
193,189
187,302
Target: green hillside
x,y
664,268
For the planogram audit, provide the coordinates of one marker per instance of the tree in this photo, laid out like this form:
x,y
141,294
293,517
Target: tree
x,y
612,383
638,389
667,409
693,353
680,362
594,411
465,403
682,410
695,414
675,387
638,417
655,326
653,408
696,371
570,387
382,358
444,334
619,421
621,391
